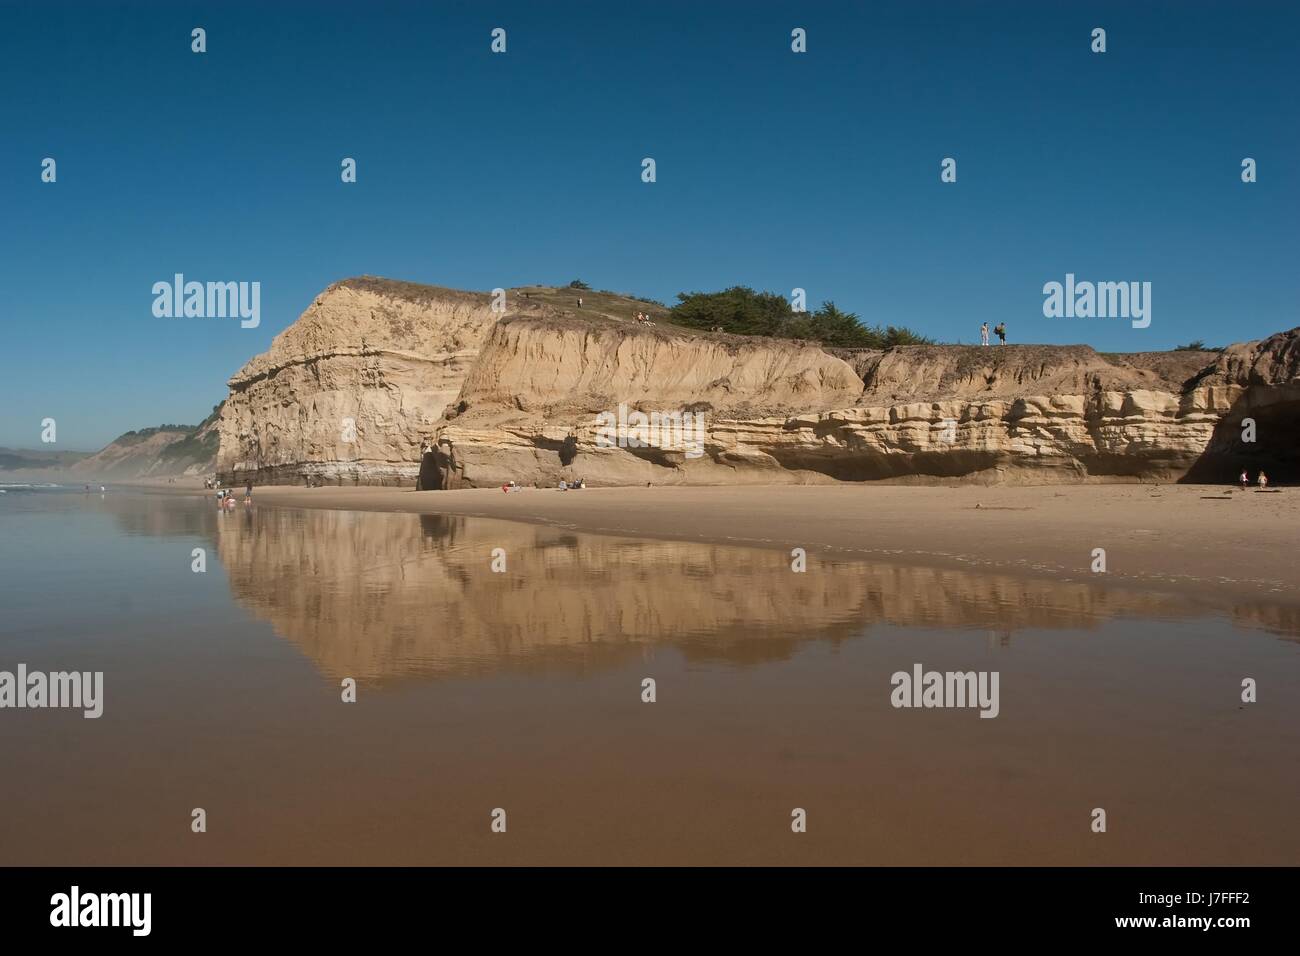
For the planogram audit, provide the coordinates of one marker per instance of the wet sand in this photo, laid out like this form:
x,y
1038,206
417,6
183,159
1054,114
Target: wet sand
x,y
523,690
1155,536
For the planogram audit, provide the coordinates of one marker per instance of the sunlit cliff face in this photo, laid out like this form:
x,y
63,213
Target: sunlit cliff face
x,y
384,382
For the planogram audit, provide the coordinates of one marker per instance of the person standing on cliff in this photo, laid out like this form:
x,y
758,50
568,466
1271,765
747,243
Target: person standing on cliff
x,y
1001,330
984,334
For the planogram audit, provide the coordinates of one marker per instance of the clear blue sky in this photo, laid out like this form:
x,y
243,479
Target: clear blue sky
x,y
775,170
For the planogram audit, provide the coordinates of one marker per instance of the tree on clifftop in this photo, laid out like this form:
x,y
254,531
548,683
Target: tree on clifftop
x,y
742,311
738,310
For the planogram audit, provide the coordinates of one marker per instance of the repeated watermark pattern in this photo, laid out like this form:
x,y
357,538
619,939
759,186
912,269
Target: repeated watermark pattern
x,y
211,300
952,689
1100,300
33,689
624,427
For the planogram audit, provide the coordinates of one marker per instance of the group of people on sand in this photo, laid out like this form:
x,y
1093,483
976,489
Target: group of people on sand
x,y
564,485
643,318
1000,330
1261,480
226,497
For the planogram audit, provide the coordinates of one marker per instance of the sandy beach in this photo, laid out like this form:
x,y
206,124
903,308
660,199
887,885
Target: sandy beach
x,y
523,689
1208,539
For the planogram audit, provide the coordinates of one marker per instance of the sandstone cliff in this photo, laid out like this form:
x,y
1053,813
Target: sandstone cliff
x,y
562,366
352,388
446,393
781,412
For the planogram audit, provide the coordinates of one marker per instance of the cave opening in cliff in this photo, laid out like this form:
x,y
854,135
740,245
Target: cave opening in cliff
x,y
1274,450
431,477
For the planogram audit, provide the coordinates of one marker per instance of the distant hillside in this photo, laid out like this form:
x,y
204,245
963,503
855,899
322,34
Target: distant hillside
x,y
164,451
20,459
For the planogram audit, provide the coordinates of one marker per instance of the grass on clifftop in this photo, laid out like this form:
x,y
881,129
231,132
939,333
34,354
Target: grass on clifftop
x,y
599,303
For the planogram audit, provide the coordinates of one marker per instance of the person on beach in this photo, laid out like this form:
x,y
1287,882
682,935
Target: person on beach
x,y
1001,330
984,334
1245,480
1263,481
248,491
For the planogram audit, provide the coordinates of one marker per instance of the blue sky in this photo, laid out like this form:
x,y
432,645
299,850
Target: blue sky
x,y
775,170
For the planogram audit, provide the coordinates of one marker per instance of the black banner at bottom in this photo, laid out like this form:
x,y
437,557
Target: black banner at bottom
x,y
772,906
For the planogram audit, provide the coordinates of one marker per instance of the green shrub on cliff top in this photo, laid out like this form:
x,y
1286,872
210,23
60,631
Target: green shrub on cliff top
x,y
742,311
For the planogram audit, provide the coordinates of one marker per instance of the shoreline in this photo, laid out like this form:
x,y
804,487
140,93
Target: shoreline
x,y
1202,538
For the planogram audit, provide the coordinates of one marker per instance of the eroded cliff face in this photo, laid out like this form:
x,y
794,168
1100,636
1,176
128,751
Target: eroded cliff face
x,y
351,389
564,366
444,395
988,414
1265,378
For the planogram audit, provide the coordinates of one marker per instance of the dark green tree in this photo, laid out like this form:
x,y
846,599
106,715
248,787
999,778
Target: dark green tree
x,y
742,311
738,310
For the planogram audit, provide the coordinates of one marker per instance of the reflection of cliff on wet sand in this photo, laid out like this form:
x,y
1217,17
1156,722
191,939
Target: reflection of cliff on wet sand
x,y
380,596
